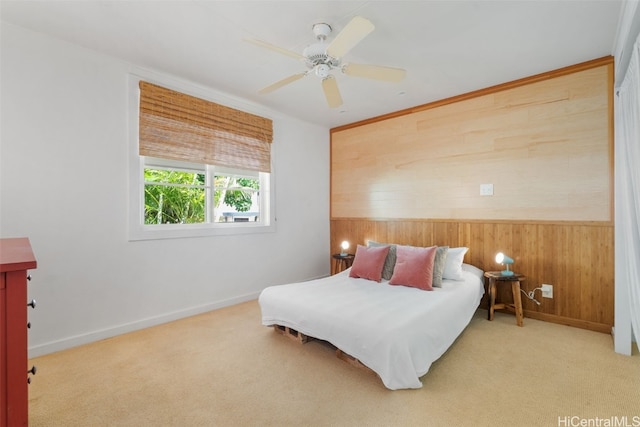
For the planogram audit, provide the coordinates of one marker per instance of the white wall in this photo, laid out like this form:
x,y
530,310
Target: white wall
x,y
64,184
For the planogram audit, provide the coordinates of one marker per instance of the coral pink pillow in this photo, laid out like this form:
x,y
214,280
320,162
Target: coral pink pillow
x,y
414,267
368,262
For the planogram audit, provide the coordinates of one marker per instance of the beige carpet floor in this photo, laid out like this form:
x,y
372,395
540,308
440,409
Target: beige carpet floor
x,y
224,369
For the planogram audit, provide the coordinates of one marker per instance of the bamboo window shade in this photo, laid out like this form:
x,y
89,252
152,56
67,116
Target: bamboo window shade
x,y
177,126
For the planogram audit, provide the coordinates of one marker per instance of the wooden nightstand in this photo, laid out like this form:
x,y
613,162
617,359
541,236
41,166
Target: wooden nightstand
x,y
495,278
341,262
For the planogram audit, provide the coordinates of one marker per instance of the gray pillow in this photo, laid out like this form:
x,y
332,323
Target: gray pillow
x,y
390,262
438,265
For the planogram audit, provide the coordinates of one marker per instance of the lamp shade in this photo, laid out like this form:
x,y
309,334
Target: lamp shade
x,y
344,245
504,260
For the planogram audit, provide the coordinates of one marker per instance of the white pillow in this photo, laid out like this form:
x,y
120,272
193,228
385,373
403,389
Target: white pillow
x,y
473,270
453,264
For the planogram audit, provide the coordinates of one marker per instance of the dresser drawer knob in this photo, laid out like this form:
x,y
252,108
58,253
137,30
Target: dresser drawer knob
x,y
33,370
32,304
28,325
29,277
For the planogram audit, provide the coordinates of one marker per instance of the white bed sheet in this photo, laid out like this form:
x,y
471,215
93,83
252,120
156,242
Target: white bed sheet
x,y
397,331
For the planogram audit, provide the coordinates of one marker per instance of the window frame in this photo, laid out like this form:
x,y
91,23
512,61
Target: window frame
x,y
138,230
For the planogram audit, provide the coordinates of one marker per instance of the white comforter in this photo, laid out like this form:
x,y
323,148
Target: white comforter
x,y
396,331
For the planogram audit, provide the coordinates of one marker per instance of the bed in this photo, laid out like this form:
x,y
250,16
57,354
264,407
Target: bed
x,y
396,331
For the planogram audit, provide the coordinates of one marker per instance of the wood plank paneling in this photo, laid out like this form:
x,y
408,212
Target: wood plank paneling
x,y
545,146
576,258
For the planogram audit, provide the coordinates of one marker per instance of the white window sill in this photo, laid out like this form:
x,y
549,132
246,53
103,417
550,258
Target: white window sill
x,y
179,231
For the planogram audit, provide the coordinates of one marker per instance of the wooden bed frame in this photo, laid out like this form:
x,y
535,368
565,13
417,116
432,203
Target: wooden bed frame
x,y
291,333
302,339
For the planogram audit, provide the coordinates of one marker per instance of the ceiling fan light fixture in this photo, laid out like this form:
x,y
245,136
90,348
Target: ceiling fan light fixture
x,y
322,70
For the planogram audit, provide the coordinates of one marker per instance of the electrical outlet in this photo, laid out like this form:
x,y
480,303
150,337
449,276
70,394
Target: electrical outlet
x,y
547,291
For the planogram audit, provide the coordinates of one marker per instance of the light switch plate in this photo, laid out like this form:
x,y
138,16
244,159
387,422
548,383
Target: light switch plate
x,y
486,189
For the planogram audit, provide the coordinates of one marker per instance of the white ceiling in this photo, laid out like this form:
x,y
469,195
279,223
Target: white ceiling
x,y
447,47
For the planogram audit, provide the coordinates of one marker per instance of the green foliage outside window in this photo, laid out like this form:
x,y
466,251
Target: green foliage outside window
x,y
180,197
241,199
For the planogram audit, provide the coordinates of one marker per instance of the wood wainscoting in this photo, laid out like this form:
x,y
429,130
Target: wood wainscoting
x,y
577,258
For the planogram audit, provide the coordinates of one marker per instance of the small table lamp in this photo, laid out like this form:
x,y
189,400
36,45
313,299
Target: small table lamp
x,y
504,260
344,245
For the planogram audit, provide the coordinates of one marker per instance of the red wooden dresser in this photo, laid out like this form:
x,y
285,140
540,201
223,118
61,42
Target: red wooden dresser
x,y
16,257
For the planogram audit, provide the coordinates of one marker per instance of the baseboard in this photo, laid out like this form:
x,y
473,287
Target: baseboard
x,y
576,323
552,318
74,341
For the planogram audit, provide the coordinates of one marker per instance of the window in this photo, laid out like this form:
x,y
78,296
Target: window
x,y
182,193
201,168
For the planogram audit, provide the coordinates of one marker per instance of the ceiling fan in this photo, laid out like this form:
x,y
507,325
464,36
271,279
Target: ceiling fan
x,y
322,57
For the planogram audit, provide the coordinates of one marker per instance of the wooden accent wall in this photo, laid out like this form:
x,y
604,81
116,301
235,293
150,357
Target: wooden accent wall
x,y
545,143
545,146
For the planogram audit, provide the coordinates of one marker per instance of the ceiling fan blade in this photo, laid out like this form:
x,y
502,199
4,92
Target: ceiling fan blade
x,y
331,92
283,82
375,72
275,48
356,30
